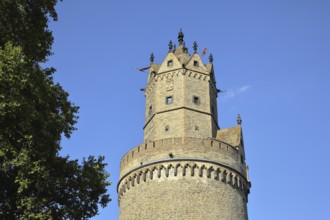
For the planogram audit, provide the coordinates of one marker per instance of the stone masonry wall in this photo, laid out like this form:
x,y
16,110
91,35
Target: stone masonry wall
x,y
182,85
183,190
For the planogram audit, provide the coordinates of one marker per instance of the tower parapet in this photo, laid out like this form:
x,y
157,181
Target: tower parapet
x,y
187,167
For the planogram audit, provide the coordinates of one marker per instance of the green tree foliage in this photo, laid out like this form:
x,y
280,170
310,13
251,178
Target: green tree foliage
x,y
25,24
35,182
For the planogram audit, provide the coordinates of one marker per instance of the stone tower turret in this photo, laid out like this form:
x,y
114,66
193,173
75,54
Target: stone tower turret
x,y
187,168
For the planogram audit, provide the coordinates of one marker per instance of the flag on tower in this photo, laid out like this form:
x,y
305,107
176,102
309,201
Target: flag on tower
x,y
204,51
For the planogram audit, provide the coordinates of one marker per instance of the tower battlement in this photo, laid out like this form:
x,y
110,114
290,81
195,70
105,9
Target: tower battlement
x,y
164,149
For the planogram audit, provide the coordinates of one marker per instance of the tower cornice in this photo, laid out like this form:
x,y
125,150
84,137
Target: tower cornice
x,y
182,71
178,108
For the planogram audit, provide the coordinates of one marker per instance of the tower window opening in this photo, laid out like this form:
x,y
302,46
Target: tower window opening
x,y
196,100
167,128
169,100
150,109
170,63
196,63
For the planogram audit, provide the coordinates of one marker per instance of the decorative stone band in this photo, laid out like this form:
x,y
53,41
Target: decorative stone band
x,y
181,71
179,167
186,108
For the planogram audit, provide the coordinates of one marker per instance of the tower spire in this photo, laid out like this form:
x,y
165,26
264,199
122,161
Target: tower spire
x,y
170,46
180,37
152,58
211,58
195,46
239,120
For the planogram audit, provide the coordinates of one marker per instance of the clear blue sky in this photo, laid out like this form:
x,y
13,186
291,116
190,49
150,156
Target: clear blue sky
x,y
271,56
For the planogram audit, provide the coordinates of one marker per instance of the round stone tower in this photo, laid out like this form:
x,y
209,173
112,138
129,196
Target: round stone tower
x,y
187,168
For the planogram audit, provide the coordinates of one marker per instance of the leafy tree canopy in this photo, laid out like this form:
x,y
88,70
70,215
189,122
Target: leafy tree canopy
x,y
37,183
25,24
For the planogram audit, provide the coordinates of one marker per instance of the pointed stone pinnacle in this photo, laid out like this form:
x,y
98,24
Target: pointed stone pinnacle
x,y
211,58
239,120
195,46
180,37
170,46
152,57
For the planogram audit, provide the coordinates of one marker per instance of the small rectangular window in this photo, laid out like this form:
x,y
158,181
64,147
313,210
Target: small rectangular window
x,y
196,100
150,110
169,100
170,63
196,63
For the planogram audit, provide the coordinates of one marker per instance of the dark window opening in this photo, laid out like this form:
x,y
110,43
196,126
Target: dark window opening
x,y
150,110
167,128
196,63
169,100
196,100
196,128
170,63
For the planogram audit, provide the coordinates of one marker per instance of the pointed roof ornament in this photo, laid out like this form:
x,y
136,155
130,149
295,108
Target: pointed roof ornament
x,y
211,58
174,47
180,37
170,46
239,120
152,58
195,46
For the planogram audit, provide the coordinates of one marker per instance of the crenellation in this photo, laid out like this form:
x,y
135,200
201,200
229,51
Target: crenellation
x,y
202,148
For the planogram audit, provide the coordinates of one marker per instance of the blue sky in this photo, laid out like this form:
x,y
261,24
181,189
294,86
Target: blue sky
x,y
270,56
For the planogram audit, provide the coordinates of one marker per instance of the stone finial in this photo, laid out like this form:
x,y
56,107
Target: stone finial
x,y
152,57
180,37
211,58
170,46
195,46
239,120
